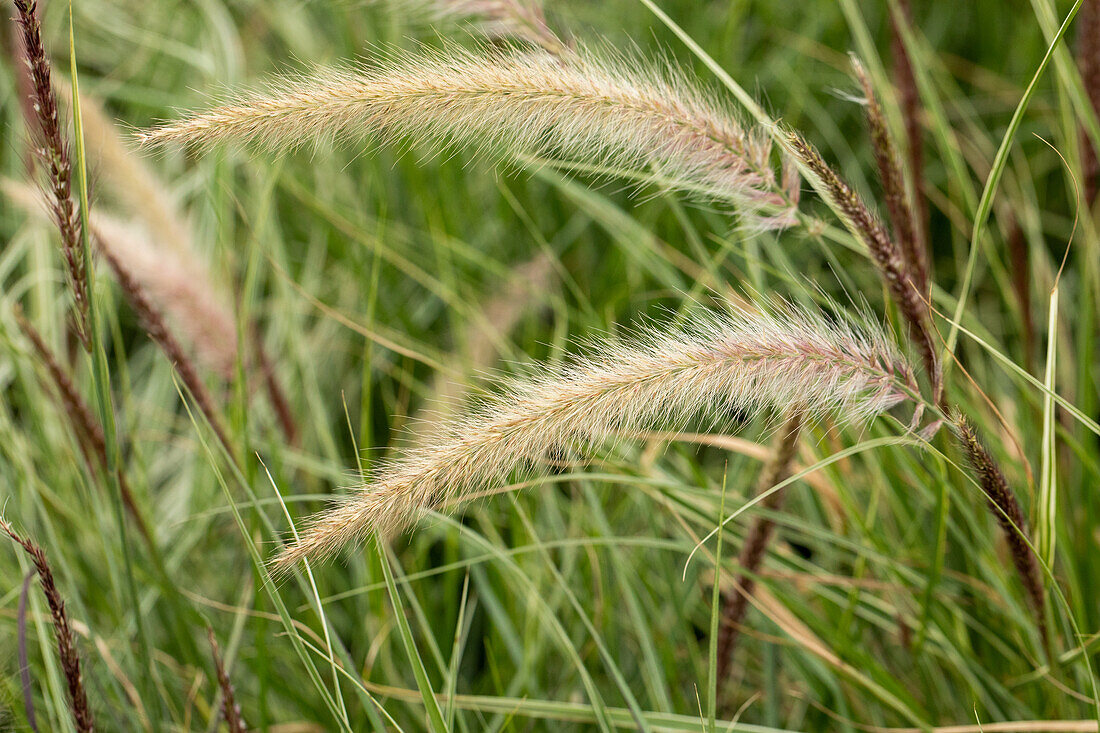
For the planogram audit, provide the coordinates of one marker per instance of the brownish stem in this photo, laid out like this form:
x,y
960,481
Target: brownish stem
x,y
66,641
231,710
756,543
275,393
153,322
1021,283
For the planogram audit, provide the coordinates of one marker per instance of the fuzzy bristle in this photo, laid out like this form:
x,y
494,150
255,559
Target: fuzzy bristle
x,y
619,115
894,267
748,361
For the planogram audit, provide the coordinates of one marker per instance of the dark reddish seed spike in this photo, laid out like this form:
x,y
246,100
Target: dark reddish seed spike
x,y
231,710
66,640
1010,516
153,322
1088,60
54,153
756,544
909,99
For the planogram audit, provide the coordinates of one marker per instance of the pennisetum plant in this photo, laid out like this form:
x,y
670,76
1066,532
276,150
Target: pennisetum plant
x,y
231,710
1006,508
616,114
53,150
63,631
746,360
620,115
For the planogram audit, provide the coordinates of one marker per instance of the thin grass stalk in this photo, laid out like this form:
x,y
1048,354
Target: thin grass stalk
x,y
751,362
53,150
1020,263
1088,61
231,710
618,115
88,431
284,413
893,266
909,99
63,632
755,547
153,322
1009,515
893,182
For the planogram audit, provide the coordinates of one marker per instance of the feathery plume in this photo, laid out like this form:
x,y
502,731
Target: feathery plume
x,y
615,115
175,279
756,543
1005,507
892,263
54,152
909,98
524,20
66,641
748,361
153,322
1088,61
893,181
231,711
88,431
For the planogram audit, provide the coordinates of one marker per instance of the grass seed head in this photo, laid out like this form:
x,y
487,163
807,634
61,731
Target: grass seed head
x,y
749,361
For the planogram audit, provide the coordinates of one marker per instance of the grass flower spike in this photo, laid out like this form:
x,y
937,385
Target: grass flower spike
x,y
615,115
752,362
63,631
519,19
53,150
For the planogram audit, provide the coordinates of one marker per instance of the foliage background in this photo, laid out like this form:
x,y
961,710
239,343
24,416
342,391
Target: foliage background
x,y
903,608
